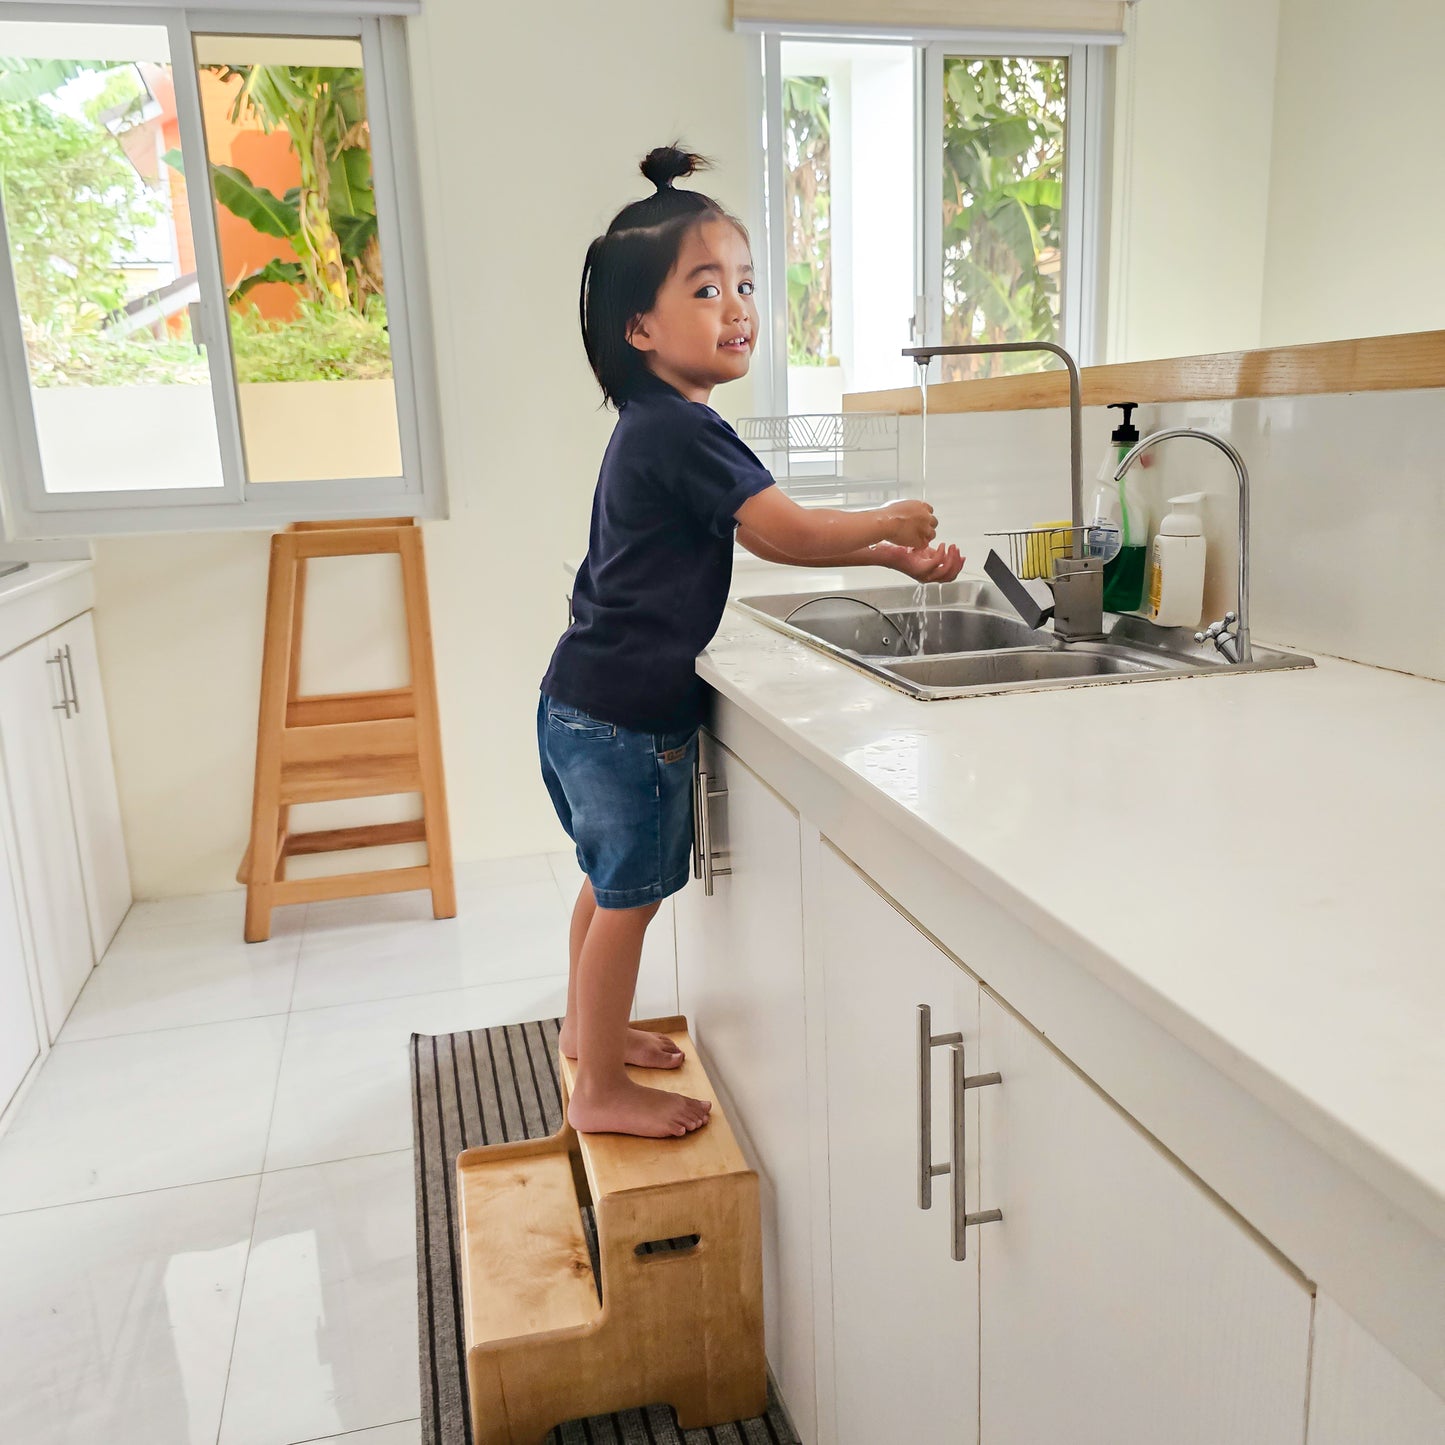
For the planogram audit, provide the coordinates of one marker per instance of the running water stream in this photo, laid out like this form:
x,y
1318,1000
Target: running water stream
x,y
920,593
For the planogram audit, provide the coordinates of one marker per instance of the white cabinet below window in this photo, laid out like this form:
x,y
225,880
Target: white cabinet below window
x,y
71,856
90,770
19,1039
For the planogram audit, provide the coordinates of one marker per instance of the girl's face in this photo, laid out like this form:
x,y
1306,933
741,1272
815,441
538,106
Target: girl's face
x,y
703,325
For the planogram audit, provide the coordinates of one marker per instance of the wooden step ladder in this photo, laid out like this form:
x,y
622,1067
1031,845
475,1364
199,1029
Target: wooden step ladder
x,y
343,745
680,1318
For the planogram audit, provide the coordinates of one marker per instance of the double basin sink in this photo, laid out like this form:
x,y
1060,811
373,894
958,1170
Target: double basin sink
x,y
961,638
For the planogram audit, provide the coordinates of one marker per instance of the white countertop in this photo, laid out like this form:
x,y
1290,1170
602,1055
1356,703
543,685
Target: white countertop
x,y
42,596
1248,860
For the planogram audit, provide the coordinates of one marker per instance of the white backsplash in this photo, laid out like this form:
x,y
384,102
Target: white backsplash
x,y
1347,496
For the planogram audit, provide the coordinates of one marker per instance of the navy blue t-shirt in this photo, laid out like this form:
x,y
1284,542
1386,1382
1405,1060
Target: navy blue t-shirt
x,y
651,590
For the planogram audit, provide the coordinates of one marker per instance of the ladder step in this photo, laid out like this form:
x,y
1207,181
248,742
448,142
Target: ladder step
x,y
349,760
346,707
353,885
364,835
617,1163
525,1267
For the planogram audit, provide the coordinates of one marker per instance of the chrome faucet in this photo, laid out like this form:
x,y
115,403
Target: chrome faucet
x,y
1234,645
1078,582
922,355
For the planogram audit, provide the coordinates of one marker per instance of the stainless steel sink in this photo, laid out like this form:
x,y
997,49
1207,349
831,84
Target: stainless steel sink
x,y
1032,665
966,640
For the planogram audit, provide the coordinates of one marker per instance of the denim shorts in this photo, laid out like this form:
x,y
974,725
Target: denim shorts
x,y
625,799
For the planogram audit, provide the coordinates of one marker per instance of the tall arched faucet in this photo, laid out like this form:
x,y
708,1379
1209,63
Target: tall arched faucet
x,y
1234,645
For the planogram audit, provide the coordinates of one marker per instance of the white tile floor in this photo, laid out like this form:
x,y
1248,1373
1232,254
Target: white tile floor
x,y
206,1212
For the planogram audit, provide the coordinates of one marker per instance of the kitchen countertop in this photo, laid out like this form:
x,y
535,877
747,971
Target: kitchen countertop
x,y
1246,860
42,596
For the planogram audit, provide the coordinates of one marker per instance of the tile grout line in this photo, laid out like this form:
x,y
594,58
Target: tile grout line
x,y
200,1183
307,1008
360,1430
260,1185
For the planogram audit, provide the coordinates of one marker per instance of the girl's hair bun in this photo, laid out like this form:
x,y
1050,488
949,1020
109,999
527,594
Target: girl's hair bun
x,y
667,163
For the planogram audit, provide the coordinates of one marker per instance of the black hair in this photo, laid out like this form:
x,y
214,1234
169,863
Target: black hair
x,y
626,266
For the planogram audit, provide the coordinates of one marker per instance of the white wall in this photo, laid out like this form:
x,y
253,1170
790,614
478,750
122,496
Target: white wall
x,y
532,120
1276,175
1357,195
1193,116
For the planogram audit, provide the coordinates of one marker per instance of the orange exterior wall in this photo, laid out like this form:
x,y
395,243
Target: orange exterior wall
x,y
267,159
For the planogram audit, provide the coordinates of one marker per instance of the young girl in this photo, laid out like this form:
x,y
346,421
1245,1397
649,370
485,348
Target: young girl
x,y
667,314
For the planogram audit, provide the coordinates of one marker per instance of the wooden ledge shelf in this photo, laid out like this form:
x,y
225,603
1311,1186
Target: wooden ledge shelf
x,y
1370,363
676,1317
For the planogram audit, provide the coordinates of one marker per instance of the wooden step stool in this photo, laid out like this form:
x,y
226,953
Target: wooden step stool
x,y
343,745
681,1326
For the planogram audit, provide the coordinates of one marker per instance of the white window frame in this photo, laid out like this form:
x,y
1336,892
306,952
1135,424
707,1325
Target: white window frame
x,y
32,513
1080,285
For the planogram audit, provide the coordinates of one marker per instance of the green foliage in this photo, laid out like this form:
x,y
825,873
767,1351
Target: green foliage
x,y
330,218
1003,167
73,205
806,163
96,358
321,344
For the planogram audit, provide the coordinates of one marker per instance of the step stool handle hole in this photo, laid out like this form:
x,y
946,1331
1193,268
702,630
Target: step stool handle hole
x,y
679,1244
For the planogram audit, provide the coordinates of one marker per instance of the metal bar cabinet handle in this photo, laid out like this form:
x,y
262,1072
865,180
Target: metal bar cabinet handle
x,y
927,1169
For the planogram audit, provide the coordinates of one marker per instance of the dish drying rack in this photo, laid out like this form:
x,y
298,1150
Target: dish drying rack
x,y
1032,551
829,459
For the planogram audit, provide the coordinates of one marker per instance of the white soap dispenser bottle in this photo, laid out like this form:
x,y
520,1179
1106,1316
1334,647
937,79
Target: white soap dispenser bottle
x,y
1176,576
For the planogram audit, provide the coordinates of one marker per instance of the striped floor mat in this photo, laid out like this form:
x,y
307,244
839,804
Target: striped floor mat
x,y
489,1086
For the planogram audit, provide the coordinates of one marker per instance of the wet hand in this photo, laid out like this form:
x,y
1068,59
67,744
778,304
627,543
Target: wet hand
x,y
929,564
910,524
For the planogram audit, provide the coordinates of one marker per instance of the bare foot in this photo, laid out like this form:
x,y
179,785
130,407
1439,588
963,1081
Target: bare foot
x,y
643,1048
635,1109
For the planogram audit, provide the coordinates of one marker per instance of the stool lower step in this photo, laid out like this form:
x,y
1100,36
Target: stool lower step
x,y
522,1233
679,1325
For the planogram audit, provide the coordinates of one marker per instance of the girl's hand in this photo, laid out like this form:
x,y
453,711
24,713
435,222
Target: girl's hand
x,y
927,564
910,524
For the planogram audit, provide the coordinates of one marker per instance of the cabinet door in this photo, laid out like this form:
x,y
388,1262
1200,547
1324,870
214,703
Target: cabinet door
x,y
90,770
19,1041
905,1312
30,689
1120,1302
740,983
1360,1392
656,993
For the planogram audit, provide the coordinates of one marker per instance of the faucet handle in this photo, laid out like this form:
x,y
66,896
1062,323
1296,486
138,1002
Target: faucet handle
x,y
1221,636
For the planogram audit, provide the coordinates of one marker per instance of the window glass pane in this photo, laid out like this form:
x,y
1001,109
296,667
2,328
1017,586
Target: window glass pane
x,y
1003,196
101,253
290,150
848,121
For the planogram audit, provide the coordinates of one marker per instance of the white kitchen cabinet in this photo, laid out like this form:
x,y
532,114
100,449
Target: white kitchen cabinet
x,y
656,992
905,1312
19,1038
90,771
31,691
1360,1393
740,983
1119,1301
